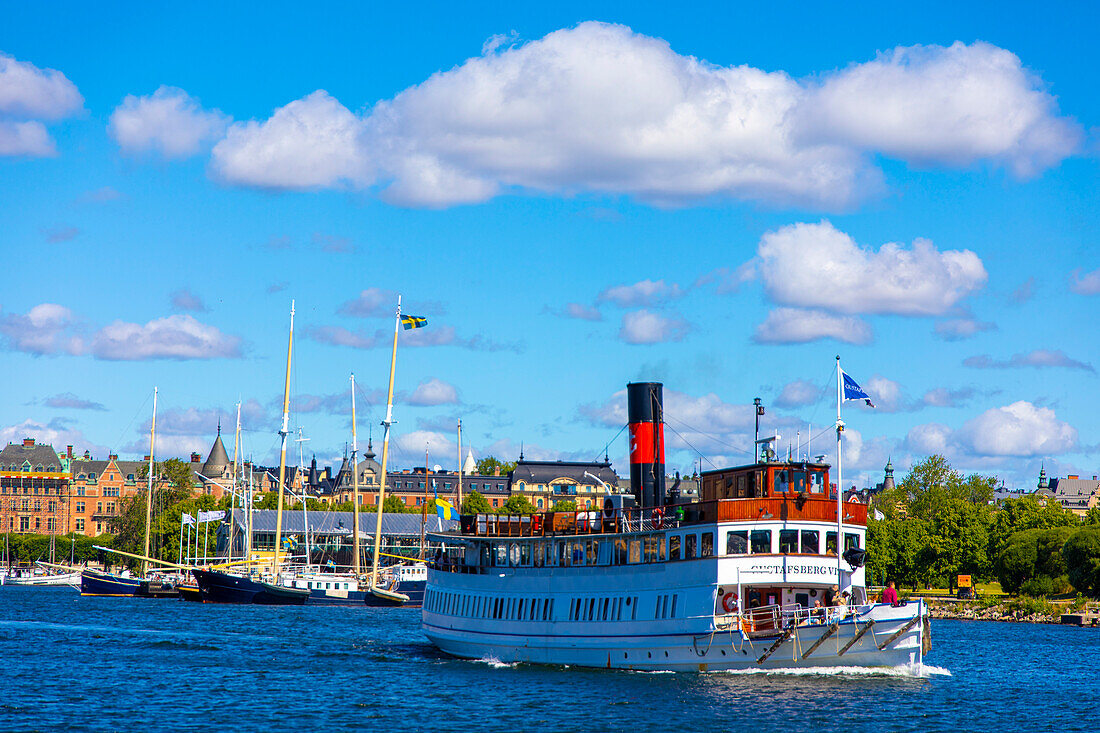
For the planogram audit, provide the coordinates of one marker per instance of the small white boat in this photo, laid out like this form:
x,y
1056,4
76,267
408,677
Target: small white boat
x,y
42,578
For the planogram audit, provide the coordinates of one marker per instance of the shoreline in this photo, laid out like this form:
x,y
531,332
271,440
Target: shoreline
x,y
999,613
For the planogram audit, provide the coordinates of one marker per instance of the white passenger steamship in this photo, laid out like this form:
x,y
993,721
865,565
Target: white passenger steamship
x,y
742,579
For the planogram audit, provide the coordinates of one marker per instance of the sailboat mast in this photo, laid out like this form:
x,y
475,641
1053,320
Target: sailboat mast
x,y
354,484
283,431
149,491
458,504
385,452
236,484
424,503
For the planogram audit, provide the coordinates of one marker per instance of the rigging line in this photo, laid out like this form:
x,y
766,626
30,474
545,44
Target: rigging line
x,y
137,412
829,382
608,445
713,436
690,445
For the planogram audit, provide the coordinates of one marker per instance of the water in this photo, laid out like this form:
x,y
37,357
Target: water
x,y
105,664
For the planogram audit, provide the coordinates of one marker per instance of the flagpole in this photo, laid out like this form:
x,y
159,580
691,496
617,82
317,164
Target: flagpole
x,y
459,494
839,475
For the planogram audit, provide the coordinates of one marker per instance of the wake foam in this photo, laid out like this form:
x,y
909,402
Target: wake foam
x,y
496,663
916,671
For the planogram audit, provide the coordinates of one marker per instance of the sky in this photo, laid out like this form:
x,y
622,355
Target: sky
x,y
723,198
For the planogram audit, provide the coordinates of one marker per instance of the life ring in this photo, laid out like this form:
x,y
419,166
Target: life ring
x,y
729,602
658,518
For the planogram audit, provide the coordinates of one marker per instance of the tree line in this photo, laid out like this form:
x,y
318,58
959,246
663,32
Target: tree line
x,y
936,524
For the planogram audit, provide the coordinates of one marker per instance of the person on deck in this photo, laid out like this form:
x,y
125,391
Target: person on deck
x,y
890,594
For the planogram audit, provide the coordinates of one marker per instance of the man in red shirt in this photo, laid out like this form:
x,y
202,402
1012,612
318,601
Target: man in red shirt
x,y
889,594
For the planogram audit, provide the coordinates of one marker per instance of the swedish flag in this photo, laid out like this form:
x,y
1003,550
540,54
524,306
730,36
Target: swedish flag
x,y
445,509
413,322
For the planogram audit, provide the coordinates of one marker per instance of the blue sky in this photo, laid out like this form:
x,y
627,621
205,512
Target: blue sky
x,y
577,196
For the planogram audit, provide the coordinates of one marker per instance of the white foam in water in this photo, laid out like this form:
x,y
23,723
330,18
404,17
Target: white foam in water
x,y
905,670
496,663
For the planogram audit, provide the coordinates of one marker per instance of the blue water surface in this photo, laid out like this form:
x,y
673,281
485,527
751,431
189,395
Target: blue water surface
x,y
108,664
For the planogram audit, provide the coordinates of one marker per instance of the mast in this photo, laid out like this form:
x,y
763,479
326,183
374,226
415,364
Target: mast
x,y
305,513
149,491
458,504
236,484
385,452
839,477
424,503
354,484
248,512
282,449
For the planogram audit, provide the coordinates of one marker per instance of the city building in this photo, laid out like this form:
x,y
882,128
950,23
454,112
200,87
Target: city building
x,y
98,489
546,482
1075,493
34,488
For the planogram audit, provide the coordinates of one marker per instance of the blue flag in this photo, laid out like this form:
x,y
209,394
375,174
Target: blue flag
x,y
853,391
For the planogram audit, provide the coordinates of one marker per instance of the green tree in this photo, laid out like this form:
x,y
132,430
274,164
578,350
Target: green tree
x,y
488,465
1027,512
564,505
394,505
518,504
1082,557
1093,516
475,503
1033,554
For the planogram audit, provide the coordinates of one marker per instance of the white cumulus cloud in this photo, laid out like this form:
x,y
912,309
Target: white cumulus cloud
x,y
798,326
949,106
819,266
169,122
46,329
433,392
798,394
172,337
646,327
644,292
600,108
312,142
29,95
1019,429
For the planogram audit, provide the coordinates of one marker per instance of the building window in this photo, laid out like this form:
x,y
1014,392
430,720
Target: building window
x,y
24,524
80,507
80,524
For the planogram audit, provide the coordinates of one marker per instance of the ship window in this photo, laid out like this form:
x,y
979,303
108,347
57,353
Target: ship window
x,y
674,547
591,609
578,553
651,549
635,551
549,551
563,554
851,541
707,545
522,606
788,541
798,480
620,554
810,542
633,608
817,482
591,548
661,548
782,481
760,541
737,543
689,547
830,543
525,554
674,599
502,555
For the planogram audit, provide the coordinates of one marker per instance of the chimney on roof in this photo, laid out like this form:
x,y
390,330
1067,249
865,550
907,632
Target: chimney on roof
x,y
68,451
1073,476
147,457
87,455
195,457
28,442
112,456
496,471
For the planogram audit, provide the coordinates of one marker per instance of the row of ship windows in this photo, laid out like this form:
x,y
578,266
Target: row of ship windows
x,y
652,548
606,608
490,607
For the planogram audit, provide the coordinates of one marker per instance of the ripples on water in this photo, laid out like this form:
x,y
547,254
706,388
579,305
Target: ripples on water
x,y
92,664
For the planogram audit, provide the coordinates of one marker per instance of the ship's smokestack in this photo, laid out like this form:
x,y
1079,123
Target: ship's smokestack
x,y
645,411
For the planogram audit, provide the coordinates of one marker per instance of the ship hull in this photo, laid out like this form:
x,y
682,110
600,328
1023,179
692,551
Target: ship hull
x,y
219,587
95,583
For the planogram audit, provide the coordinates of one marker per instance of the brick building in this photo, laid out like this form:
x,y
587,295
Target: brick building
x,y
34,488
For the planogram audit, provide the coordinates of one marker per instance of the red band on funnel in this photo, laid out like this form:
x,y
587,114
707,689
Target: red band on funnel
x,y
641,443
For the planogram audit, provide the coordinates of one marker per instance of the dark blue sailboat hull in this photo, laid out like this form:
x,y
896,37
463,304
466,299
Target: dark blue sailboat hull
x,y
225,588
95,583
